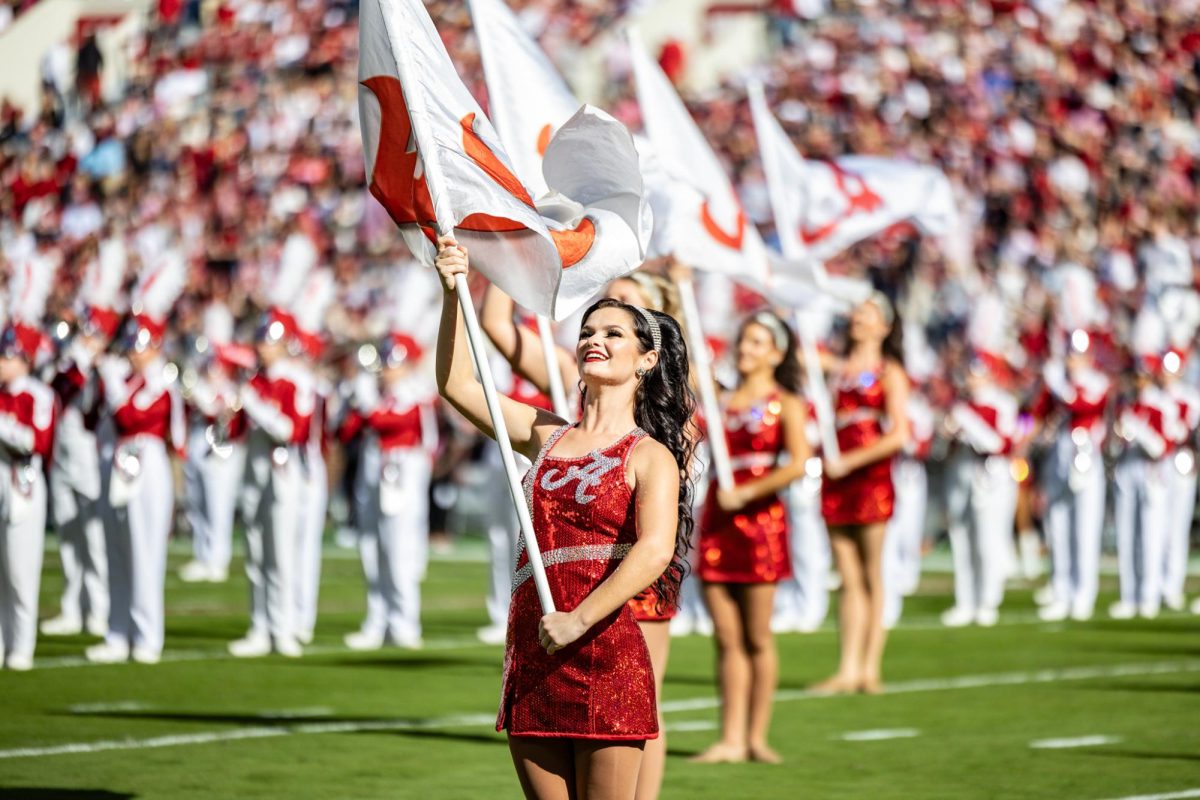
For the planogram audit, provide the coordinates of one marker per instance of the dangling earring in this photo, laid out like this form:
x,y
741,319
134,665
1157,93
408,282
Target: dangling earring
x,y
579,387
641,373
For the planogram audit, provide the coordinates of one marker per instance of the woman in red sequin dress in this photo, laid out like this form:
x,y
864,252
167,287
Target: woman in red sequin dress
x,y
521,346
870,394
611,506
744,534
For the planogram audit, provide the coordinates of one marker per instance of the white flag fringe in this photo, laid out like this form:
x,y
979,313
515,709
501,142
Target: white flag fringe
x,y
461,177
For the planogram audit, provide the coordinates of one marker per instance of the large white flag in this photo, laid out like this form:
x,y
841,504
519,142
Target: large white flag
x,y
435,163
701,218
823,207
529,99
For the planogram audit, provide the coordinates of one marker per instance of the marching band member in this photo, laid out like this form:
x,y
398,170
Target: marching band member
x,y
279,401
83,446
216,456
27,416
396,408
141,395
1149,426
1181,480
743,547
982,502
858,496
1074,483
310,307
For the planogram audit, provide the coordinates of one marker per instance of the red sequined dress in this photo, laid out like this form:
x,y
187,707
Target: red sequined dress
x,y
751,545
602,685
866,495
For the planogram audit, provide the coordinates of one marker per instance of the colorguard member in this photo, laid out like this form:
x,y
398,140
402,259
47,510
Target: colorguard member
x,y
395,407
143,398
83,447
27,412
278,401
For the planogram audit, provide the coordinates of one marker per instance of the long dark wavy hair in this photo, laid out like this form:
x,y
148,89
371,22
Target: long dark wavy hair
x,y
787,374
665,408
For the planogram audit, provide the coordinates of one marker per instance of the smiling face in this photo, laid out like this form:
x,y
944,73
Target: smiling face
x,y
757,350
867,323
628,292
609,351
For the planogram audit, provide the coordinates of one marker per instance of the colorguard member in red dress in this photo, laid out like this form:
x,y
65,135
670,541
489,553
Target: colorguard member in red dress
x,y
142,395
78,474
27,414
870,405
744,548
609,500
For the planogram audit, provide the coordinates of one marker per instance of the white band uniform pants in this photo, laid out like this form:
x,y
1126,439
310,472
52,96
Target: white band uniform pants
x,y
1181,507
137,551
22,534
310,533
905,530
394,539
1140,510
802,601
1074,523
80,522
211,483
271,532
982,503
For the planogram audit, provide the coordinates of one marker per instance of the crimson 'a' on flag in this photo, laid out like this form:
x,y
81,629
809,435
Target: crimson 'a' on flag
x,y
435,163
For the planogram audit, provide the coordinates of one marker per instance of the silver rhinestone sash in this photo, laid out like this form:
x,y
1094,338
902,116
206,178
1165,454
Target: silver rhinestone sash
x,y
564,555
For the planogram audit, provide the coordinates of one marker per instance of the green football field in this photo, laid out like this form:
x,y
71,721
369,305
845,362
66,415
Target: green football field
x,y
1023,710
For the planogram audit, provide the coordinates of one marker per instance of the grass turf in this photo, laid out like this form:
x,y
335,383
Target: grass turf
x,y
395,724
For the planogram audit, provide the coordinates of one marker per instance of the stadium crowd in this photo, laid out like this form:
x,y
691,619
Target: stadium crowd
x,y
1070,130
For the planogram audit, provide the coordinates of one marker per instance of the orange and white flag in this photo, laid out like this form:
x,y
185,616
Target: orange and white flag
x,y
700,218
436,164
824,207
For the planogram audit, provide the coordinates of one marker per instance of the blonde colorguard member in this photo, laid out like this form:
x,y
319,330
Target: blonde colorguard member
x,y
395,407
1148,426
216,457
279,401
27,412
79,472
141,394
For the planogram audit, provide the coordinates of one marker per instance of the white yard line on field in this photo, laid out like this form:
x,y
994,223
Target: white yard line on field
x,y
1094,740
479,720
879,735
1180,795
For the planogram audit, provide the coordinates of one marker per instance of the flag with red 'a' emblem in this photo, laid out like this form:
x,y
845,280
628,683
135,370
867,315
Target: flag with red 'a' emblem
x,y
699,218
436,164
824,207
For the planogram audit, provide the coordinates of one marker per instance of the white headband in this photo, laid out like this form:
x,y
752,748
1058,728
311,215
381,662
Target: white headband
x,y
778,330
652,323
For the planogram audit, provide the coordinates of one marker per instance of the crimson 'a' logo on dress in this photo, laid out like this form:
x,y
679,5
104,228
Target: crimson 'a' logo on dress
x,y
859,199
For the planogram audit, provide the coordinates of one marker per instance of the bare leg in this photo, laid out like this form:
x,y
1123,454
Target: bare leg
x,y
607,770
654,759
545,767
875,635
852,612
757,607
733,674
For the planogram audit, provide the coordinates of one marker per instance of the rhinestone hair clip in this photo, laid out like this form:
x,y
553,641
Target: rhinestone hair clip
x,y
775,325
655,330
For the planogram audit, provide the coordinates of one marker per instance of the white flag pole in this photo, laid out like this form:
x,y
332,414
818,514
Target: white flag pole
x,y
558,394
814,373
445,220
702,360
